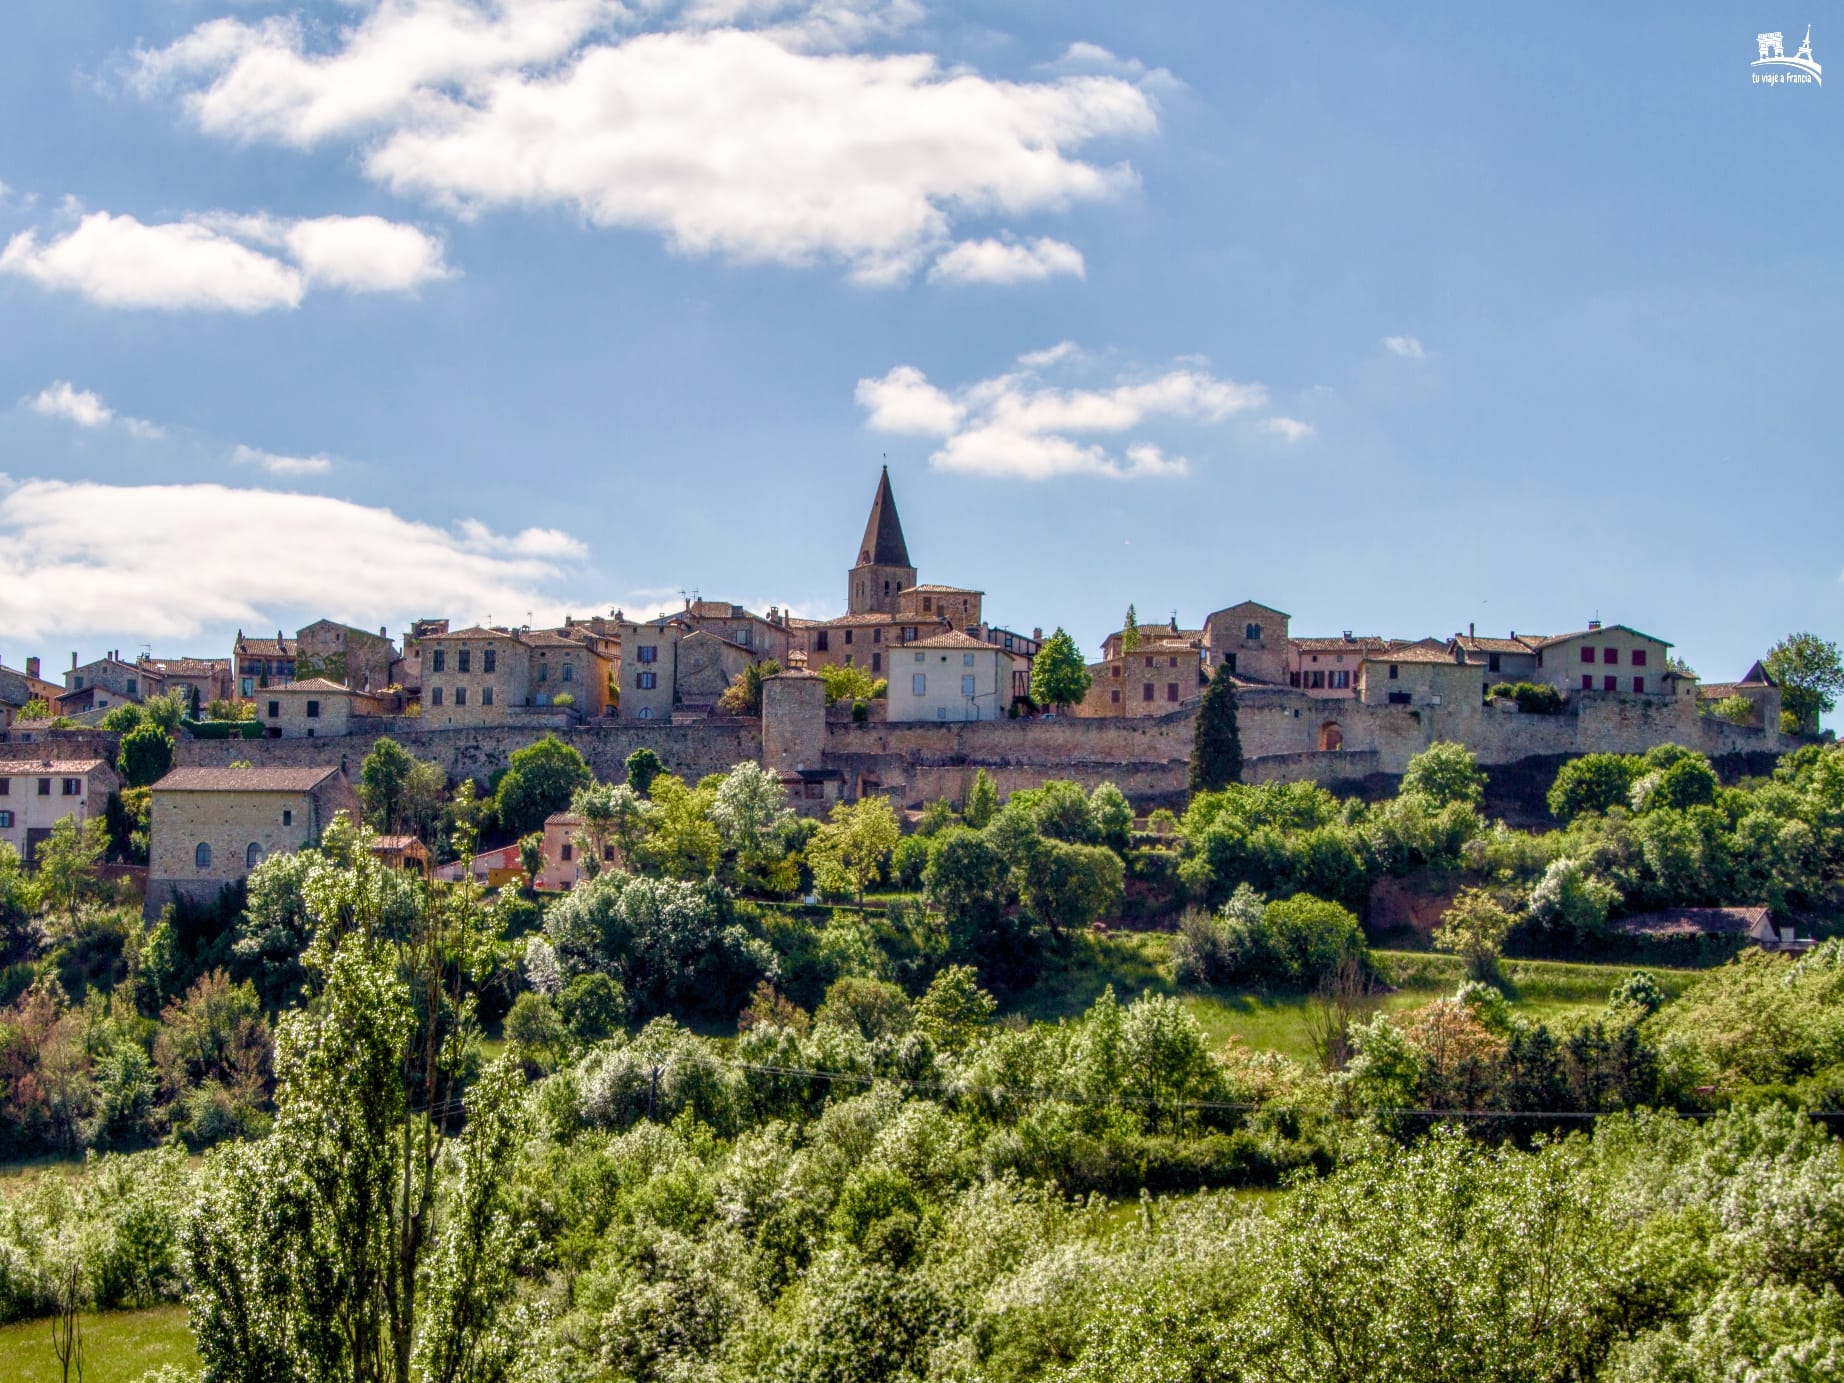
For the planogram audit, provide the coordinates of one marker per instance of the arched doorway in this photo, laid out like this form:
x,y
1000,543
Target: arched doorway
x,y
1330,736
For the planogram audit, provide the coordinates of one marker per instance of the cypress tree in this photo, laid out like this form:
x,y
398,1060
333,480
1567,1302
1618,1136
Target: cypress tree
x,y
1216,750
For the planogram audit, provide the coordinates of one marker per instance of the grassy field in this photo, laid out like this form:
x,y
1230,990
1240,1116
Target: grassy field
x,y
1559,993
118,1346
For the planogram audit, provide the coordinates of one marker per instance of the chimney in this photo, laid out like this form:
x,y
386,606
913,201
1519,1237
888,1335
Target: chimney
x,y
278,636
32,667
381,632
73,662
1594,624
1347,636
1038,633
1471,629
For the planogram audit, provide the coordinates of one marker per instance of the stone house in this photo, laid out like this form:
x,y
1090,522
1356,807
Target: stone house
x,y
649,670
407,671
1327,668
481,676
1165,669
123,680
957,606
1417,675
17,687
1608,659
196,681
1250,639
706,666
211,826
259,663
862,640
36,795
563,867
311,709
1501,660
1756,687
354,658
762,636
950,676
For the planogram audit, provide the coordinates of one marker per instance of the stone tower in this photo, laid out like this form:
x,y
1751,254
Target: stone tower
x,y
793,721
882,568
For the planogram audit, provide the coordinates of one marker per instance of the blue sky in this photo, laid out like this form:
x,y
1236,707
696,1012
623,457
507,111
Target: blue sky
x,y
1395,321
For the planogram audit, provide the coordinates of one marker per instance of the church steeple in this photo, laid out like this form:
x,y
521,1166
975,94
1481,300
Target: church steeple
x,y
882,568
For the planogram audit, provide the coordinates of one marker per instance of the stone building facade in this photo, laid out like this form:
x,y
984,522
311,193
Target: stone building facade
x,y
1250,639
211,826
950,676
258,663
36,794
354,658
480,676
313,709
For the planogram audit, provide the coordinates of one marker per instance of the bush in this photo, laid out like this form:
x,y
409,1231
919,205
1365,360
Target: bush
x,y
908,861
1533,698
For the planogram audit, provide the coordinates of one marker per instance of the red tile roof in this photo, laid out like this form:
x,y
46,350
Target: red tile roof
x,y
245,779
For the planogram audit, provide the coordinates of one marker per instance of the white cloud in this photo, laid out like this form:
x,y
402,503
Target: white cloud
x,y
1003,261
1017,426
1405,346
209,263
92,558
904,401
750,143
85,408
281,465
1287,429
1051,355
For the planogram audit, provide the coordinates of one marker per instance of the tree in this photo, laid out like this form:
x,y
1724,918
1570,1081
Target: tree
x,y
1592,783
595,803
1810,673
1069,886
1737,709
1444,773
67,861
751,816
1130,641
1059,677
955,1009
743,697
851,846
1112,814
847,682
982,800
146,755
1474,929
643,766
384,781
36,709
539,783
1216,745
1311,938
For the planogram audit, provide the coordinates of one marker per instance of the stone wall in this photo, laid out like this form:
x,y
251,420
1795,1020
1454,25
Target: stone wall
x,y
691,751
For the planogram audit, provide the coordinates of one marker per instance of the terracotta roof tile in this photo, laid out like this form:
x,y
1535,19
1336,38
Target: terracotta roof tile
x,y
245,779
952,639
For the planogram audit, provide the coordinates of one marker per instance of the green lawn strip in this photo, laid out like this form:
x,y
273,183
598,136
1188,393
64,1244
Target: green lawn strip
x,y
118,1346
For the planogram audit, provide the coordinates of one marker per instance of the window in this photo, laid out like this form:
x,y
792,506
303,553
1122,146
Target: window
x,y
918,683
1115,670
966,684
435,696
1491,662
1152,662
1252,632
941,713
131,686
288,816
1394,672
79,682
1172,661
489,660
201,856
928,604
1610,655
1610,683
1146,691
251,855
544,671
877,662
565,855
966,660
649,653
814,791
877,636
275,710
608,852
921,656
486,696
464,660
1317,680
1171,691
440,663
73,787
1114,695
1587,681
848,636
6,787
313,710
569,671
1639,657
647,681
1587,653
1293,679
819,643
1341,679
44,787
460,696
646,713
6,819
1639,684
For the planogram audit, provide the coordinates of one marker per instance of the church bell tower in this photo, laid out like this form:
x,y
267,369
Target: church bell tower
x,y
882,568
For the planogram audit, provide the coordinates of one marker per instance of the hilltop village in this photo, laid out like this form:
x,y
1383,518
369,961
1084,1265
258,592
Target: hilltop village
x,y
907,693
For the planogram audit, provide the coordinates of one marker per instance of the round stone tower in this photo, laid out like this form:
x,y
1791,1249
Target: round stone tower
x,y
793,721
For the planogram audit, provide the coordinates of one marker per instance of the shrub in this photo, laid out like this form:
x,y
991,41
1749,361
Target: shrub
x,y
1533,698
1737,709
